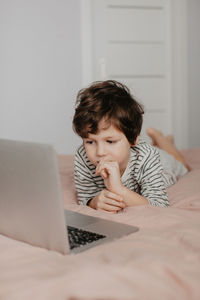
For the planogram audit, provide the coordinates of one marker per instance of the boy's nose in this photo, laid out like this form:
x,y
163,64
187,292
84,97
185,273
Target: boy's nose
x,y
100,150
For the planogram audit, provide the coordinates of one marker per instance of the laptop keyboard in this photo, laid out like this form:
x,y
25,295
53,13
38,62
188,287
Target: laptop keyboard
x,y
79,237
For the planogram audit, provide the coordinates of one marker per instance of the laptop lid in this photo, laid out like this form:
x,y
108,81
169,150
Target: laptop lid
x,y
31,208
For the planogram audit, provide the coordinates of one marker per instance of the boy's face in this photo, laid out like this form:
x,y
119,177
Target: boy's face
x,y
109,144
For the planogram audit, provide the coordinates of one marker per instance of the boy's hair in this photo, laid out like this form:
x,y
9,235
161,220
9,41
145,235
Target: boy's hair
x,y
112,102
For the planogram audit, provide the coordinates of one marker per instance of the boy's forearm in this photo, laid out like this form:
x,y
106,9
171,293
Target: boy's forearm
x,y
132,198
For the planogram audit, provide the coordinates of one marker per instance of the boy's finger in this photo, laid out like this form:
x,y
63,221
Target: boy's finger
x,y
115,203
102,172
113,196
111,208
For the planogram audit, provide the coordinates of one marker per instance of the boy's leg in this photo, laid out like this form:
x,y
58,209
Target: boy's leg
x,y
170,138
166,143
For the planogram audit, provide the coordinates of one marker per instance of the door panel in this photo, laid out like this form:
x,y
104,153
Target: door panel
x,y
135,60
131,44
123,24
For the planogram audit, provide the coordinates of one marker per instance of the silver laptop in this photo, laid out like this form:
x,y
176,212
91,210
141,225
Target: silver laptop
x,y
31,206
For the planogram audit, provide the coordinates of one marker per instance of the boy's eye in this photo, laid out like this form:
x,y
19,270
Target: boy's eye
x,y
89,142
110,141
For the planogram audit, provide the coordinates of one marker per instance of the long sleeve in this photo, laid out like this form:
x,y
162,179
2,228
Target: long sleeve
x,y
152,185
87,183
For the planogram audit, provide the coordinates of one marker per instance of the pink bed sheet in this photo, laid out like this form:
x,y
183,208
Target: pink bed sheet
x,y
160,261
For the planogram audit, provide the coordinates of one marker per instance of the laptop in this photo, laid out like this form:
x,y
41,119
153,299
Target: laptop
x,y
31,205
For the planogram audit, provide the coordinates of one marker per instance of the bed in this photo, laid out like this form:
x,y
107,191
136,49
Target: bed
x,y
160,261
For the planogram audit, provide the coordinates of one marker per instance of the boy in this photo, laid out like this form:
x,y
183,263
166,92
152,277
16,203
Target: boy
x,y
113,167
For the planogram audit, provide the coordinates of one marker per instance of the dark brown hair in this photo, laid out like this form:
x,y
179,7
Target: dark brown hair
x,y
109,100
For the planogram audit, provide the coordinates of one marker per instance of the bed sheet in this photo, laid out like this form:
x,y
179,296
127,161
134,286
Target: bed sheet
x,y
160,261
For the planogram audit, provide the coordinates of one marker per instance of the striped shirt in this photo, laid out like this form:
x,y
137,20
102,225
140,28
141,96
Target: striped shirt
x,y
144,175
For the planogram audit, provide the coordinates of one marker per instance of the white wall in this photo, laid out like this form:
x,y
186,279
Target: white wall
x,y
194,72
40,70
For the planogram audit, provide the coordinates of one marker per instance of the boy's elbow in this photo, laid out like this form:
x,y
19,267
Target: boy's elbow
x,y
159,203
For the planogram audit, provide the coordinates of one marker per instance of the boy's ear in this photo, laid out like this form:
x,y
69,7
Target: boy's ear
x,y
136,141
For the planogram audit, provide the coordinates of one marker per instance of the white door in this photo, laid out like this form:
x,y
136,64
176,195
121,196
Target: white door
x,y
131,41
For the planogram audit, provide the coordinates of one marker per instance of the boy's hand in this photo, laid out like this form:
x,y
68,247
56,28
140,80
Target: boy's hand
x,y
107,201
110,172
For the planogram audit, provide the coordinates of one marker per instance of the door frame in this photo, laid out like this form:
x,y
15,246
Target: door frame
x,y
178,67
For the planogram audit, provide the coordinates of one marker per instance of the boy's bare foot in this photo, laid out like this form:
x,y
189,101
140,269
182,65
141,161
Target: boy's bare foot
x,y
166,143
